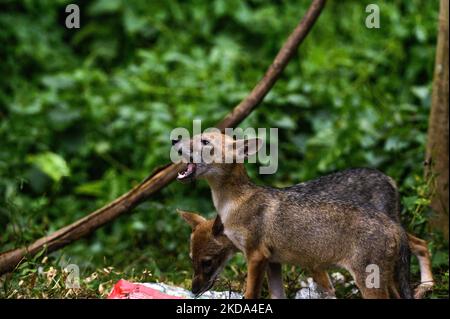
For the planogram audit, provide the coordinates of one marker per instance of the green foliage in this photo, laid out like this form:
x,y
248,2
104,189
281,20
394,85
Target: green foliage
x,y
86,114
51,164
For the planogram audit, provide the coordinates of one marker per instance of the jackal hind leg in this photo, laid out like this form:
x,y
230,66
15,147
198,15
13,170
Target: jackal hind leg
x,y
323,280
419,248
369,289
394,291
275,280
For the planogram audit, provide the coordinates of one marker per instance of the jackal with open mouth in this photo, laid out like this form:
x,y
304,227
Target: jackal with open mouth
x,y
347,219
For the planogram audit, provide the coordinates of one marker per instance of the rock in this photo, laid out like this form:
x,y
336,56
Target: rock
x,y
337,278
311,290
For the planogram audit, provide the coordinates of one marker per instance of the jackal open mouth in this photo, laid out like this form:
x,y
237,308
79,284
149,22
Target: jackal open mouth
x,y
188,172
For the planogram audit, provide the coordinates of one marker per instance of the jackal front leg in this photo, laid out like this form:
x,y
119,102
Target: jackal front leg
x,y
275,279
256,267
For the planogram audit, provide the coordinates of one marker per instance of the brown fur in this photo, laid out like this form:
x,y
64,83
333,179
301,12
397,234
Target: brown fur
x,y
209,253
289,226
210,244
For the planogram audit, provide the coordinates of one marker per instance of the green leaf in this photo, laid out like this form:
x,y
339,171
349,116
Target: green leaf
x,y
409,202
95,188
285,122
51,164
422,92
105,6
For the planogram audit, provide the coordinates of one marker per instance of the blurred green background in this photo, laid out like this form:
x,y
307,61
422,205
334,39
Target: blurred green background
x,y
85,114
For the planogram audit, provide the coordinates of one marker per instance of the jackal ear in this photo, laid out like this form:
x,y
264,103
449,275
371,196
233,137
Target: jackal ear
x,y
217,228
191,218
248,147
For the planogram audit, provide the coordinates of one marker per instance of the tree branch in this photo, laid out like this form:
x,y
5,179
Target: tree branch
x,y
164,175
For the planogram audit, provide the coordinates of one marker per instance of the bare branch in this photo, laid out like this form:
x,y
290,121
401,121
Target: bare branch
x,y
164,175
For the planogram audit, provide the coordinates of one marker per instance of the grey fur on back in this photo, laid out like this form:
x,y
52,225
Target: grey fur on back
x,y
363,187
369,189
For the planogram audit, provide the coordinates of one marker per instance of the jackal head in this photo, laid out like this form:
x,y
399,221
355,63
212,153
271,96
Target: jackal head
x,y
209,251
210,154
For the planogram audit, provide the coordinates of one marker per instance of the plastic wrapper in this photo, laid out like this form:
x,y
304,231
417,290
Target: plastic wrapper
x,y
127,290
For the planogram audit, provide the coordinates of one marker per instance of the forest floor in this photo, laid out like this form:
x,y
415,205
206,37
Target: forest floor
x,y
46,279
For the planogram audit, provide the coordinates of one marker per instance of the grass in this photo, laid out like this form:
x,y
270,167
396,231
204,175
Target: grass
x,y
46,277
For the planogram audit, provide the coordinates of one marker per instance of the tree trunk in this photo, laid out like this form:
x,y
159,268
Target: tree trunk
x,y
436,160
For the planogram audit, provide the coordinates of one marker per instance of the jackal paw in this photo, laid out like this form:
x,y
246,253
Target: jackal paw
x,y
423,289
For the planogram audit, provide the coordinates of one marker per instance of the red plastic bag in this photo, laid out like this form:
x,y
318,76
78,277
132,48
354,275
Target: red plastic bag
x,y
127,290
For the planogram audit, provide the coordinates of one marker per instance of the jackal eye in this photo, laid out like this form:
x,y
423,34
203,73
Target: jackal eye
x,y
205,142
206,263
